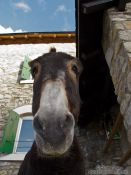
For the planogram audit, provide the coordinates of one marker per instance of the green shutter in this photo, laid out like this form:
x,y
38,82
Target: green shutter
x,y
25,74
9,133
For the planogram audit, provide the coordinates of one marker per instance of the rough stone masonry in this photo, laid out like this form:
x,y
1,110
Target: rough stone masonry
x,y
117,47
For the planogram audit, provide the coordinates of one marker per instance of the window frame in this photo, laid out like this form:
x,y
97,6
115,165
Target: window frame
x,y
21,119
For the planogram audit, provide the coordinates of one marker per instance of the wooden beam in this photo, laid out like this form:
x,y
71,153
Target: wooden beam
x,y
34,38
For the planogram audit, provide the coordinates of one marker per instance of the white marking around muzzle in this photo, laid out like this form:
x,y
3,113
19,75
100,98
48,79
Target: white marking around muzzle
x,y
53,106
53,99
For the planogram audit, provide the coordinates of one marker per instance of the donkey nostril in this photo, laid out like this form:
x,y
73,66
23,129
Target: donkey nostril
x,y
39,127
69,120
37,124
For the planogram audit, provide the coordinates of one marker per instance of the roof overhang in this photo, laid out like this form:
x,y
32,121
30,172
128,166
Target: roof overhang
x,y
37,37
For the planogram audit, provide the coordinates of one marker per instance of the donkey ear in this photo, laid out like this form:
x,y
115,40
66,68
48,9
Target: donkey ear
x,y
35,67
52,49
31,63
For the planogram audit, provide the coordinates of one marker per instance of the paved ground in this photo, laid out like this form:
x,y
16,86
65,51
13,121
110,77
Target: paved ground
x,y
92,140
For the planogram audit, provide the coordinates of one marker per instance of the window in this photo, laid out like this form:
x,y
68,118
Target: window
x,y
24,136
18,134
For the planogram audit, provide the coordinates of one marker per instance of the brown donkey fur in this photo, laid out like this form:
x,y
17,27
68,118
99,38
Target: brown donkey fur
x,y
64,156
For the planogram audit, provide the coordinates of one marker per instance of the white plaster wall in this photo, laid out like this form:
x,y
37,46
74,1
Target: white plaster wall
x,y
13,94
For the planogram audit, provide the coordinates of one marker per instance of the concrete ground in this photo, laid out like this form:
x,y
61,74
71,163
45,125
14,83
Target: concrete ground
x,y
92,140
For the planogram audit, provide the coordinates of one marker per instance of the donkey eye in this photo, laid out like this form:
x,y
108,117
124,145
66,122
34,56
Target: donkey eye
x,y
34,70
75,69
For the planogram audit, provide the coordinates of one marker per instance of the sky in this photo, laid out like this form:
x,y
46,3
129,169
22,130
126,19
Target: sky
x,y
37,15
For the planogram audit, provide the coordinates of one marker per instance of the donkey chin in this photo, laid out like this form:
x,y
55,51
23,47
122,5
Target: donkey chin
x,y
53,122
49,149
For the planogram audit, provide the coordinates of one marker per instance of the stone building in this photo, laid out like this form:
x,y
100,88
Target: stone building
x,y
16,94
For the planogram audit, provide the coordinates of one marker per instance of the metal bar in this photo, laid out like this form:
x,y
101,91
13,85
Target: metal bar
x,y
116,126
126,157
95,6
96,3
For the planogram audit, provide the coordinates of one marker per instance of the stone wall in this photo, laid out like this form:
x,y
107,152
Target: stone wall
x,y
117,47
13,94
9,168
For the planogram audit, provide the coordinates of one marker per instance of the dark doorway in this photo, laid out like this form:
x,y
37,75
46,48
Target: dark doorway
x,y
96,87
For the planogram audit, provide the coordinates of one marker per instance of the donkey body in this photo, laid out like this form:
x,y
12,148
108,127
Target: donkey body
x,y
56,105
71,164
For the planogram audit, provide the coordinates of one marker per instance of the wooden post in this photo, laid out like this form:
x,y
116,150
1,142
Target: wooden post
x,y
116,126
125,157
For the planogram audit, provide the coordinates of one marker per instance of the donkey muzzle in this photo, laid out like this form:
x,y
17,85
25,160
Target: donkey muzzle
x,y
54,131
53,122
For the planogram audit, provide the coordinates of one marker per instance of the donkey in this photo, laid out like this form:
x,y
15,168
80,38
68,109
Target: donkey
x,y
56,106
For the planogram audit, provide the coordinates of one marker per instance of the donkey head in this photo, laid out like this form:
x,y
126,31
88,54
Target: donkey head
x,y
56,101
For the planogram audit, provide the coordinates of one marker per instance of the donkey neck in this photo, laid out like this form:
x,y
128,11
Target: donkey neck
x,y
62,165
